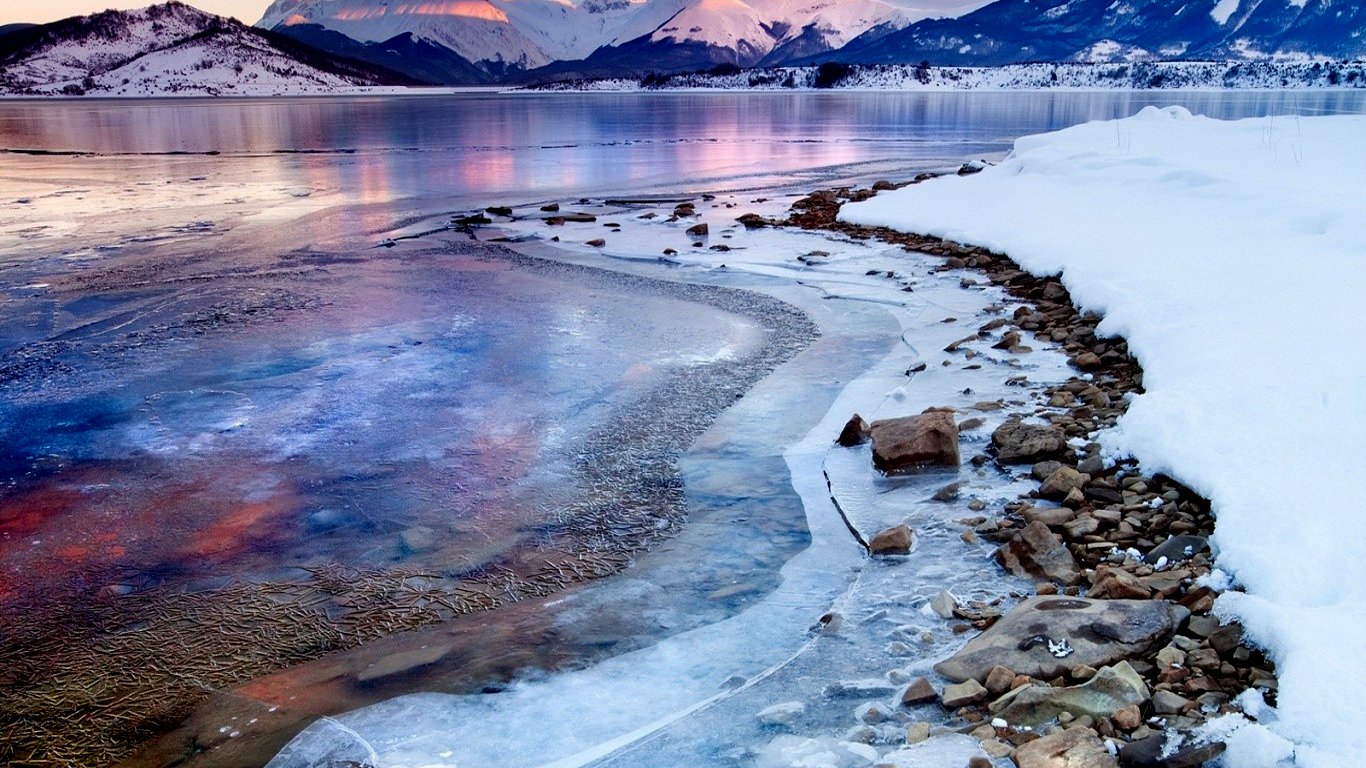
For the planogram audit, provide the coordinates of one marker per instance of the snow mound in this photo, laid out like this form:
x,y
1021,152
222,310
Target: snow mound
x,y
1232,256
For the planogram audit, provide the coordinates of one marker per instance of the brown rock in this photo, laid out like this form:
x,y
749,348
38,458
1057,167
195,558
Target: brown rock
x,y
597,242
1020,443
1037,552
893,541
999,680
1063,481
963,694
930,439
698,230
1117,584
919,692
1088,361
855,432
1073,748
753,221
1127,718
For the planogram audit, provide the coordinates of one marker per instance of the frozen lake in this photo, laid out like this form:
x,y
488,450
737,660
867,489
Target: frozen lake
x,y
236,434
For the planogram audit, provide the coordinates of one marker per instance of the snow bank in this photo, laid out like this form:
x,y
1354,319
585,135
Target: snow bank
x,y
1232,256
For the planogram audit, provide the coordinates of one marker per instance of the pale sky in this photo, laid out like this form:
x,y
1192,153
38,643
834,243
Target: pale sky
x,y
250,11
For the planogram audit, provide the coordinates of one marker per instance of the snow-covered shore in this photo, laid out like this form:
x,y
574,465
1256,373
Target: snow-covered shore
x,y
1230,256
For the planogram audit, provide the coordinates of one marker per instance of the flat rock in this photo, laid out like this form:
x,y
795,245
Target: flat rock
x,y
1117,584
930,439
1020,443
1038,553
1072,748
1111,689
893,541
1098,633
963,694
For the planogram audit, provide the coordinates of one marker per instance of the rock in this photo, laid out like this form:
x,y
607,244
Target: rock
x,y
930,439
917,732
785,713
1050,516
1127,718
551,207
1020,443
475,220
943,604
1177,548
698,230
1226,638
1111,689
1117,584
597,242
1043,469
963,694
1038,553
753,221
578,218
999,680
1088,361
1072,748
919,692
893,541
1098,632
855,432
1063,481
498,210
1151,752
1169,703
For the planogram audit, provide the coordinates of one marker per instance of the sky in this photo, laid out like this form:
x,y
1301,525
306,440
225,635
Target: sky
x,y
251,10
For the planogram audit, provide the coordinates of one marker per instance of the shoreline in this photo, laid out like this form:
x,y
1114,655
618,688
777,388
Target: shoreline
x,y
1207,666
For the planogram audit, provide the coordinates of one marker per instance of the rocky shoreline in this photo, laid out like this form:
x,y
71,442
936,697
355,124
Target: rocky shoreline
x,y
1117,658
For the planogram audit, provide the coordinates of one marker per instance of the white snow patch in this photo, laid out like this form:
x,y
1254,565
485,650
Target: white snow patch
x,y
1223,10
1231,255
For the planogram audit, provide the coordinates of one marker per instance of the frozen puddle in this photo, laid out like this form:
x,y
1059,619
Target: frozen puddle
x,y
828,689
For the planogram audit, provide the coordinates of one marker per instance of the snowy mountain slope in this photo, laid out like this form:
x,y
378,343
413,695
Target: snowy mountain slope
x,y
1124,30
169,48
422,60
509,35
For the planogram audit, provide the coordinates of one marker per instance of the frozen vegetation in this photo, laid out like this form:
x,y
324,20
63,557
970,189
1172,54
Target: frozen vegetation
x,y
1076,76
1231,257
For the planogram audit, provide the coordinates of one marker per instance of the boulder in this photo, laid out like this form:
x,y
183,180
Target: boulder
x,y
855,432
930,439
1020,443
1177,548
1072,748
893,541
698,230
1093,633
1111,689
1037,553
753,221
597,242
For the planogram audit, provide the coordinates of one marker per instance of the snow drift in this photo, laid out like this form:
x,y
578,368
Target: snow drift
x,y
1232,256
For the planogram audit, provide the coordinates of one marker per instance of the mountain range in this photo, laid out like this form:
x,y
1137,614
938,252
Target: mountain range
x,y
171,49
304,46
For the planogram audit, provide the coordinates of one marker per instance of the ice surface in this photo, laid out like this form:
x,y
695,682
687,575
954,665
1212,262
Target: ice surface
x,y
696,698
1232,256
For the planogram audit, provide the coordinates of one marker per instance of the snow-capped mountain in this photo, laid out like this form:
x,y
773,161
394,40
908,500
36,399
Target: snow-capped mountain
x,y
1009,31
505,36
169,49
